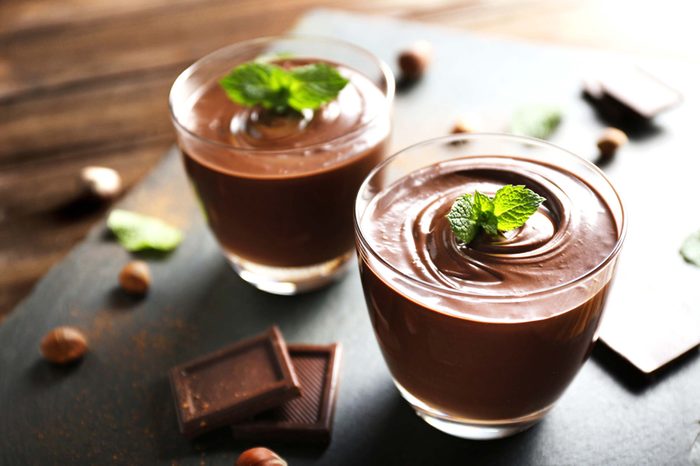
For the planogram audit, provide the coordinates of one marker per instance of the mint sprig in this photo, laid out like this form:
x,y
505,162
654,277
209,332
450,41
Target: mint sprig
x,y
138,232
690,249
537,121
508,209
273,87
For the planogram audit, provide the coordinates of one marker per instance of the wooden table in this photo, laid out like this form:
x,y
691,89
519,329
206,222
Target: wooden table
x,y
86,82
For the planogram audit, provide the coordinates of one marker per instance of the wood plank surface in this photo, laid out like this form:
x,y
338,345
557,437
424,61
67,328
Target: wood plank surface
x,y
85,82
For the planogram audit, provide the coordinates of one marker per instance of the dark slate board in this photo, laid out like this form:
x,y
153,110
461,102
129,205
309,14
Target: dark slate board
x,y
116,408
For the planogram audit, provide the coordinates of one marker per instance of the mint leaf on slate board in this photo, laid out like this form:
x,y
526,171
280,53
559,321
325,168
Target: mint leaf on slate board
x,y
690,249
137,232
537,121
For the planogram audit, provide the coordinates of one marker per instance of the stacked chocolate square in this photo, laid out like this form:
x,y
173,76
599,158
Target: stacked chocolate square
x,y
262,388
627,95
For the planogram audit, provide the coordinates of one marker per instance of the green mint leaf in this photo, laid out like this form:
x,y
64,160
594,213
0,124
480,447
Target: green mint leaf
x,y
273,87
137,232
513,205
537,121
486,218
489,223
690,249
257,84
464,218
484,203
508,209
314,85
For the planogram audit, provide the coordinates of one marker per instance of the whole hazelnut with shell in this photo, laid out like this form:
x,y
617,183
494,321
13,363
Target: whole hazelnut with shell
x,y
414,61
260,456
63,345
610,140
100,183
135,278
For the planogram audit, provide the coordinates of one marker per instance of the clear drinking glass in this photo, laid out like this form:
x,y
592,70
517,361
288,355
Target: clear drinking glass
x,y
482,339
278,191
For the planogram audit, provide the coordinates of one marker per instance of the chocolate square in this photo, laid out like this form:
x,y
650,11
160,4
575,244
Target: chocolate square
x,y
309,418
629,93
233,383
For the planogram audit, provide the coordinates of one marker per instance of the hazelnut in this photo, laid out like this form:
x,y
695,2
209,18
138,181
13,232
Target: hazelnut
x,y
610,141
260,456
100,183
63,345
414,61
135,278
462,127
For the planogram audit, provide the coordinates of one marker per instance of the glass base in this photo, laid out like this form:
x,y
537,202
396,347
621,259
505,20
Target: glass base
x,y
469,428
290,280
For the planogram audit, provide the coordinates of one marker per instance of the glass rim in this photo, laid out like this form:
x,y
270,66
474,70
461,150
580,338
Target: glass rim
x,y
486,298
191,69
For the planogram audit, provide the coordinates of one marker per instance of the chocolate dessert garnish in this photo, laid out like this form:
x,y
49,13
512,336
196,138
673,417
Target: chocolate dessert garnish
x,y
138,232
260,456
537,121
135,278
63,345
507,210
414,61
283,89
629,94
610,141
309,418
233,383
462,126
100,183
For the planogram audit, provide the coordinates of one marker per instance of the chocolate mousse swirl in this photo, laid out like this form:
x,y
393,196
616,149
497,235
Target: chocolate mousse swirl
x,y
254,128
410,231
219,119
254,142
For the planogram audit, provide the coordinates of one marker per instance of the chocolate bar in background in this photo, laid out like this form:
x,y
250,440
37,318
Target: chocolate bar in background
x,y
308,419
233,383
629,95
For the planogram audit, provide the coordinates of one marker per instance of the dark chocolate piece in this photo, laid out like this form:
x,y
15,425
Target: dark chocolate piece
x,y
233,383
308,419
630,93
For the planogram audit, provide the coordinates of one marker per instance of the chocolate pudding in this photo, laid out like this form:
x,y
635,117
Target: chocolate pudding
x,y
494,331
278,190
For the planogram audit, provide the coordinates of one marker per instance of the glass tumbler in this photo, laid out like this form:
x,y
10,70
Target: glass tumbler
x,y
482,339
278,191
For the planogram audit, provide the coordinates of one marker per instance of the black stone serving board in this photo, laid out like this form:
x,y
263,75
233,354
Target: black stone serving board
x,y
116,408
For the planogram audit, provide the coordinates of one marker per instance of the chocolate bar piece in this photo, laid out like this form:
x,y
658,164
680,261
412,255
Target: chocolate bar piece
x,y
233,383
308,419
630,93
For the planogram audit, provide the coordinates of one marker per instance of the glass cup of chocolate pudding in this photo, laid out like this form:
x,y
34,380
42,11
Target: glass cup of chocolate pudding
x,y
278,189
482,339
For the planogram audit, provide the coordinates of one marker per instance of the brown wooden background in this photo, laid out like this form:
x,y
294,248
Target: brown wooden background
x,y
86,82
